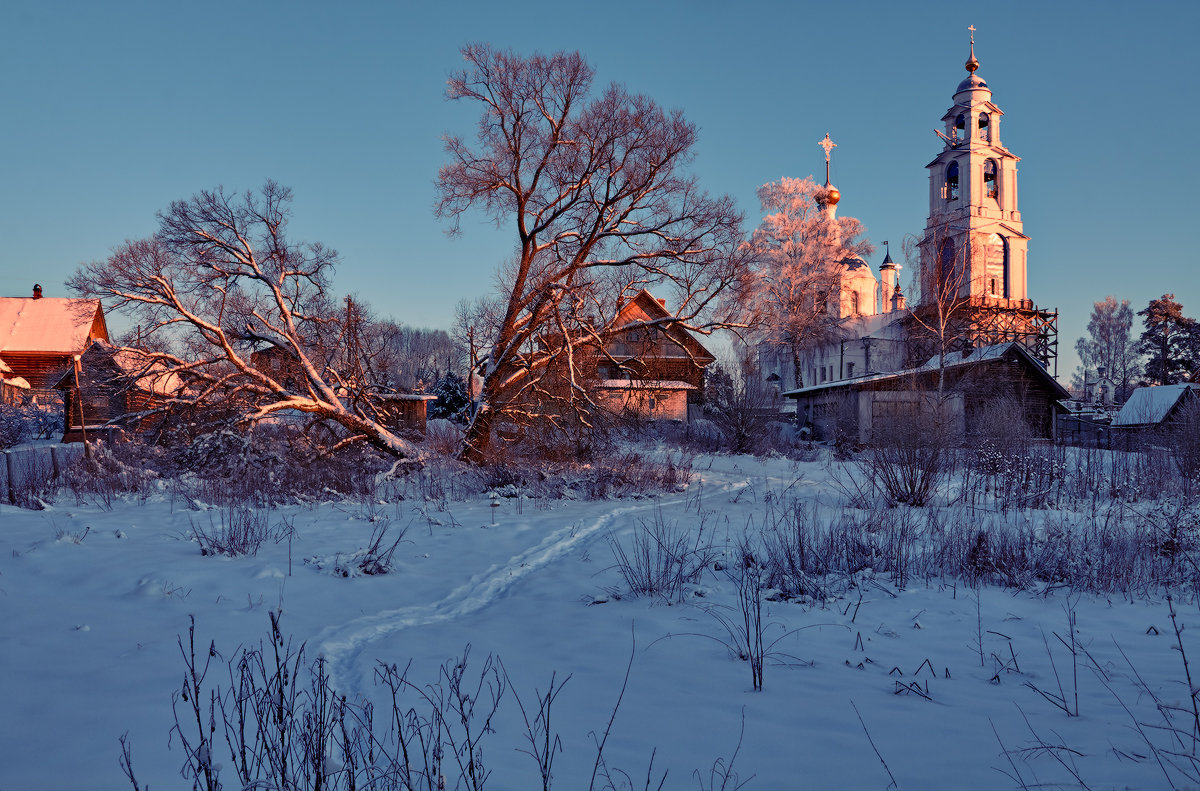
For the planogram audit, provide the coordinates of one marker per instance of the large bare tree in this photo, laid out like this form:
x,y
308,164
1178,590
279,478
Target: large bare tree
x,y
801,252
594,190
244,316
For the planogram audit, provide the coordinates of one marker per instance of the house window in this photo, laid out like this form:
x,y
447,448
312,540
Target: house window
x,y
652,403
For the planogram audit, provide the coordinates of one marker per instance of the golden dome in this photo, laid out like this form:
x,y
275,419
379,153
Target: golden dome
x,y
832,195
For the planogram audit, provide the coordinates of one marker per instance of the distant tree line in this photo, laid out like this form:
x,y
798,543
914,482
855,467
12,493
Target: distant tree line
x,y
1166,352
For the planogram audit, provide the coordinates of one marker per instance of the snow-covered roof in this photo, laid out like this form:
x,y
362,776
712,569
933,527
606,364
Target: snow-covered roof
x,y
149,375
1149,405
407,397
4,369
50,324
16,381
952,360
644,384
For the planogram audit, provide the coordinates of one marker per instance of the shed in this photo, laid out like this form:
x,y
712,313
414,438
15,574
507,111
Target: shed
x,y
867,406
1152,407
406,412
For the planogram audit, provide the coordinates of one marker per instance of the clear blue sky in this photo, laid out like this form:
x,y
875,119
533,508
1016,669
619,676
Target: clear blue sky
x,y
113,109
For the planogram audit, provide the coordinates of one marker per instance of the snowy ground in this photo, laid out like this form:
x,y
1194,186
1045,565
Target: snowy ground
x,y
92,601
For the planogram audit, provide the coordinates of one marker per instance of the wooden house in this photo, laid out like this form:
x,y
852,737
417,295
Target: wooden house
x,y
112,389
13,389
974,383
651,366
39,337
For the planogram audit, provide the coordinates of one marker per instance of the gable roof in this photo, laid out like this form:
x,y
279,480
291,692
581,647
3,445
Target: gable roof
x,y
48,325
1151,405
953,360
653,310
147,374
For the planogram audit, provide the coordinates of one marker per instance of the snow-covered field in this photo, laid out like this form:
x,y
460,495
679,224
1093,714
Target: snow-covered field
x,y
933,685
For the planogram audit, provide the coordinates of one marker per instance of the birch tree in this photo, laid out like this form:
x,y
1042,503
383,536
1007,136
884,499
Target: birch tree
x,y
220,282
594,190
1109,344
799,252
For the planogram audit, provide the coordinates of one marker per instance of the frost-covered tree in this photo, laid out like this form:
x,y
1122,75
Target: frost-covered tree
x,y
799,251
452,400
1109,344
1167,340
244,317
594,189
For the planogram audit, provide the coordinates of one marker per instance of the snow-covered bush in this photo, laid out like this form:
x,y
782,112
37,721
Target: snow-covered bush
x,y
21,423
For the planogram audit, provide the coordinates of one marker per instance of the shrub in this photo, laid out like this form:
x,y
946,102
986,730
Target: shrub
x,y
241,532
662,558
21,423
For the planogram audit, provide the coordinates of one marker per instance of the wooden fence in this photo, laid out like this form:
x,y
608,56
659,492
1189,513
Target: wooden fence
x,y
29,468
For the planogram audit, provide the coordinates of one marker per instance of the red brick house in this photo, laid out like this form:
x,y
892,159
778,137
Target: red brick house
x,y
39,337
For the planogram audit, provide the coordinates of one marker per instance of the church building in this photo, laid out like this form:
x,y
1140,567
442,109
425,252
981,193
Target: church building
x,y
970,297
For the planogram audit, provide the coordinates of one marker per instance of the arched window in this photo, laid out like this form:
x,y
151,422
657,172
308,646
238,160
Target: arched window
x,y
996,261
985,127
991,187
960,126
952,181
945,268
854,303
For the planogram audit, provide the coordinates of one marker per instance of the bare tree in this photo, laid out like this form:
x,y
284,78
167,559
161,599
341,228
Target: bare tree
x,y
800,249
1109,344
944,296
594,191
244,316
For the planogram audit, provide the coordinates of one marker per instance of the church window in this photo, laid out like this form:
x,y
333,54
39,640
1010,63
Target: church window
x,y
997,263
849,370
952,181
945,265
822,305
991,187
854,303
823,373
960,126
985,131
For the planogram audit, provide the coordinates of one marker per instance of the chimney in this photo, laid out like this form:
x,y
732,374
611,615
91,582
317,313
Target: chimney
x,y
37,290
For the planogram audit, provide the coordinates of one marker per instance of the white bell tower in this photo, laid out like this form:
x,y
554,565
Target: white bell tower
x,y
973,242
